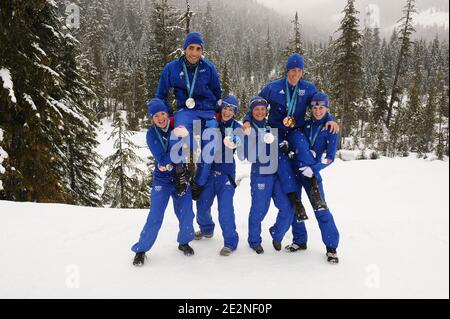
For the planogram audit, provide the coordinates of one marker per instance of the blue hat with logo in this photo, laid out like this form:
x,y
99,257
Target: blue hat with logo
x,y
295,61
194,38
258,101
320,99
155,106
231,101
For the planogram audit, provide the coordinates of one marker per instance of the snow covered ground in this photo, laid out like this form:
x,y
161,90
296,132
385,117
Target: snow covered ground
x,y
393,216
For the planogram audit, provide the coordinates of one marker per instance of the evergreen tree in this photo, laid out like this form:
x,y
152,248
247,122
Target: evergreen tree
x,y
3,156
380,103
268,63
187,17
143,199
443,115
122,183
80,142
407,29
295,44
347,71
166,37
43,117
427,127
414,110
226,83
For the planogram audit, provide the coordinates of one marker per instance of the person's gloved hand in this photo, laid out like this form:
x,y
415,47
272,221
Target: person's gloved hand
x,y
307,171
232,142
246,128
212,123
181,131
284,147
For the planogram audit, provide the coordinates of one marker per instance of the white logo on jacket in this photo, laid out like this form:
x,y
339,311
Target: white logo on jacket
x,y
282,92
158,188
261,187
302,92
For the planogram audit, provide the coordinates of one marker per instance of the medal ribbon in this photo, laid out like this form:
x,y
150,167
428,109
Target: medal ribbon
x,y
291,104
190,86
312,140
164,141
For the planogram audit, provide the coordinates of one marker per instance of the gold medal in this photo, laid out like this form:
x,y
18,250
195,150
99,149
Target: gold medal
x,y
289,122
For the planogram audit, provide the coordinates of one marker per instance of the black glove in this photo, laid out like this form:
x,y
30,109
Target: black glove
x,y
284,147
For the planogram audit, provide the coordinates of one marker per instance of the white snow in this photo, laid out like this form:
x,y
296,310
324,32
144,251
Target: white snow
x,y
30,101
5,75
392,215
3,156
38,48
48,69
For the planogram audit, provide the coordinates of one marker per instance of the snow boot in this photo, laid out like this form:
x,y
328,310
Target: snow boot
x,y
259,250
276,245
186,249
318,202
225,251
181,179
299,209
199,235
332,256
139,259
196,191
292,248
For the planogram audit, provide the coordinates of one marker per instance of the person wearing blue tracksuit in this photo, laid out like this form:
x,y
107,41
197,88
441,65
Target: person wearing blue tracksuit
x,y
289,98
264,186
221,183
322,142
197,91
158,136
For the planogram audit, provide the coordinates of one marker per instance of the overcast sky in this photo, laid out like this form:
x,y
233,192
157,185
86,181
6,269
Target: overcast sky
x,y
325,14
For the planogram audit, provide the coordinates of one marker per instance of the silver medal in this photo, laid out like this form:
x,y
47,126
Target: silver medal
x,y
269,138
190,103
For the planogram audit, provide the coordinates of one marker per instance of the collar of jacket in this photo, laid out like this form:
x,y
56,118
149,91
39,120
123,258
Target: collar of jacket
x,y
228,123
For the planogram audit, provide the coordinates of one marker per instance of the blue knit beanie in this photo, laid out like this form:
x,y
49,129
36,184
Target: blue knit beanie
x,y
257,101
231,101
295,61
193,38
156,105
319,98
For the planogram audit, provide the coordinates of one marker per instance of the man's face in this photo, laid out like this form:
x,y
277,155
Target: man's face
x,y
259,113
227,113
294,76
161,119
319,112
193,53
